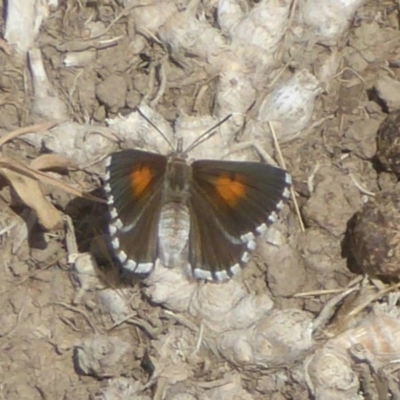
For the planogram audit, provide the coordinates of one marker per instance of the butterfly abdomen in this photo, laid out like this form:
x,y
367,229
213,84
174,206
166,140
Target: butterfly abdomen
x,y
173,234
174,223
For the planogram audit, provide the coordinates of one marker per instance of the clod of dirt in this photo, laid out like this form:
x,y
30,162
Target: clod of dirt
x,y
321,255
228,387
370,44
374,342
360,137
114,303
388,91
230,390
290,106
169,364
122,388
329,20
112,92
388,140
283,261
83,273
330,376
278,339
103,356
333,202
375,236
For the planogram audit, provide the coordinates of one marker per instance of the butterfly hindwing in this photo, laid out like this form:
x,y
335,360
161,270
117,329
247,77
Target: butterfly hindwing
x,y
212,254
134,183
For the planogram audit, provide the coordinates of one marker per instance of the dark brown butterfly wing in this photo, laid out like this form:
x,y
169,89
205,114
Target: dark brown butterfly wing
x,y
231,202
134,183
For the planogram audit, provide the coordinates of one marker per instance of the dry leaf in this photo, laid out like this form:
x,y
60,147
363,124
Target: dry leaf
x,y
26,180
27,129
30,193
52,161
22,169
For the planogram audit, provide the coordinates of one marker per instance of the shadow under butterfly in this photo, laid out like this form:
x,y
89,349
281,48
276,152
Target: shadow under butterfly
x,y
202,215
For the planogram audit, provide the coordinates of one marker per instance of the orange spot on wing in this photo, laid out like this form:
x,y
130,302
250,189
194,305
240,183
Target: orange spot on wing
x,y
140,179
231,189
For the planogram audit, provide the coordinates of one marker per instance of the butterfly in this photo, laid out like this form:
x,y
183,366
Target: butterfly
x,y
203,215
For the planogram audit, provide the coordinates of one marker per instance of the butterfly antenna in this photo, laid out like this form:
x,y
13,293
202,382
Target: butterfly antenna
x,y
155,127
206,135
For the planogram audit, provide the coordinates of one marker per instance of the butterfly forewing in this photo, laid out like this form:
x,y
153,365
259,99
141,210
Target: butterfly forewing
x,y
134,183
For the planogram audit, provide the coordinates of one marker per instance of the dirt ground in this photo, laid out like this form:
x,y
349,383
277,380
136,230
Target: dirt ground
x,y
47,321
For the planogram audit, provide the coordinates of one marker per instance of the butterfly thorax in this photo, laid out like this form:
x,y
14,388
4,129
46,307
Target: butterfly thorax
x,y
177,180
